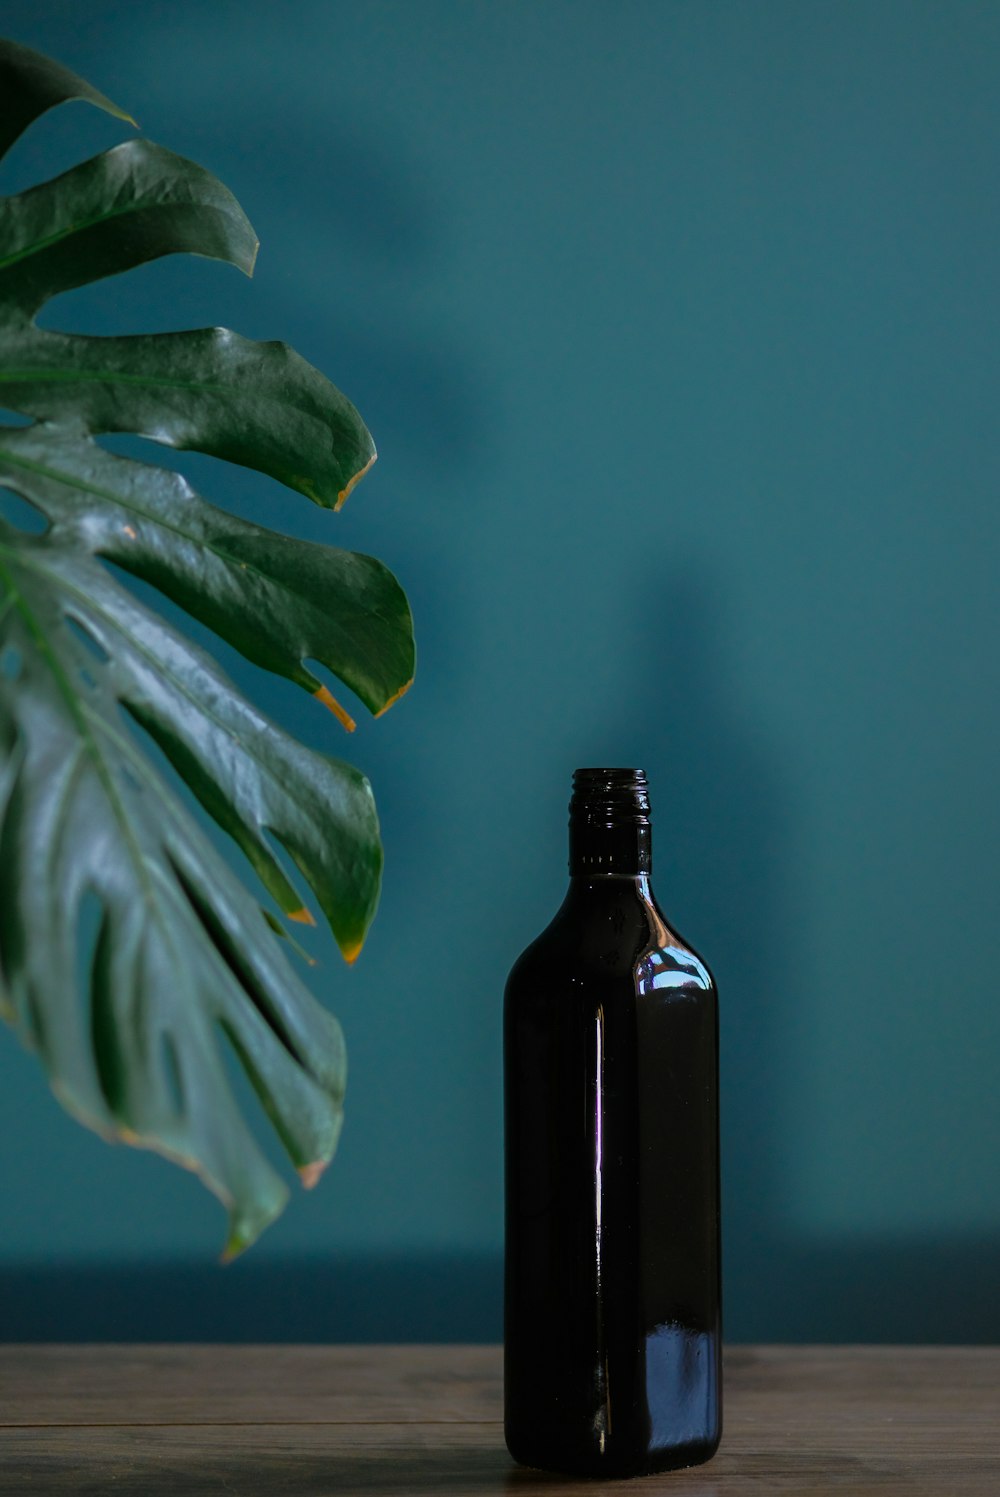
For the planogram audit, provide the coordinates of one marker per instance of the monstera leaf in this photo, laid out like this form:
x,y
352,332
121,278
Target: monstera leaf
x,y
132,959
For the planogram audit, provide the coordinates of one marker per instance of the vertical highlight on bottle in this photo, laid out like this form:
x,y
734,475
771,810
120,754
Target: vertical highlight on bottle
x,y
612,1322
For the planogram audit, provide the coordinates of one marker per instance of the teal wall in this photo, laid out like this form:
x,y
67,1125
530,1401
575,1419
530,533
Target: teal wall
x,y
677,328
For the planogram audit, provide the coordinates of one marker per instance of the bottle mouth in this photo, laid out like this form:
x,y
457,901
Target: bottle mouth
x,y
610,796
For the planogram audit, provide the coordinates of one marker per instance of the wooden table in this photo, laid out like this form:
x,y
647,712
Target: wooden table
x,y
298,1420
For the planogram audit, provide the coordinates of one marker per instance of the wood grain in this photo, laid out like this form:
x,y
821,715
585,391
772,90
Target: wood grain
x,y
248,1384
255,1421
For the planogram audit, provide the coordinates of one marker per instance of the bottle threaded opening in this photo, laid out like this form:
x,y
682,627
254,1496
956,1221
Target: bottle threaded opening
x,y
610,796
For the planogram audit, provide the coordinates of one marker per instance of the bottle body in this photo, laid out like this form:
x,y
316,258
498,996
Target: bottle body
x,y
612,1300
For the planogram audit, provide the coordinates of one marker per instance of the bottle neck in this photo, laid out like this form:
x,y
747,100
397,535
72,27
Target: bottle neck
x,y
615,851
609,831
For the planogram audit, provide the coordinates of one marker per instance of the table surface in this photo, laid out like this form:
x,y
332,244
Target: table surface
x,y
250,1421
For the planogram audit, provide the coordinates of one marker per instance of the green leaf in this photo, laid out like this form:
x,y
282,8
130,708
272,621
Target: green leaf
x,y
119,210
31,83
278,600
185,967
183,957
320,809
257,404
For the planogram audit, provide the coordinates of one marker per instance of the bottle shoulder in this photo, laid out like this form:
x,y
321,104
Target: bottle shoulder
x,y
674,955
602,933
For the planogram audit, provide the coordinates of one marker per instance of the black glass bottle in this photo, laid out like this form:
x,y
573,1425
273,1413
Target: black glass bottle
x,y
612,1301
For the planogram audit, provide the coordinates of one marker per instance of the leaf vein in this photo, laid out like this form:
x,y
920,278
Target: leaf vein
x,y
74,707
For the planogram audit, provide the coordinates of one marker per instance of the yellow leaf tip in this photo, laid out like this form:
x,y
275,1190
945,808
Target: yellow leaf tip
x,y
302,916
342,496
329,700
395,697
352,952
310,1174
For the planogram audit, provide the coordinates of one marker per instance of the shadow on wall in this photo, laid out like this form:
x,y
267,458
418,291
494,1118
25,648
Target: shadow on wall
x,y
353,273
721,840
724,849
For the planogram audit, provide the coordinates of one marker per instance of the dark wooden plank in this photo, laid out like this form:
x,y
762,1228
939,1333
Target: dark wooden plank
x,y
857,1422
461,1460
303,1384
247,1384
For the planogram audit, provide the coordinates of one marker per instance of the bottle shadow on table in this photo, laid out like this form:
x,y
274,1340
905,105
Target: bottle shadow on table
x,y
144,1462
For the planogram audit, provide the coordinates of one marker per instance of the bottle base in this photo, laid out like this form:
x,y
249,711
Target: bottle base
x,y
614,1464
